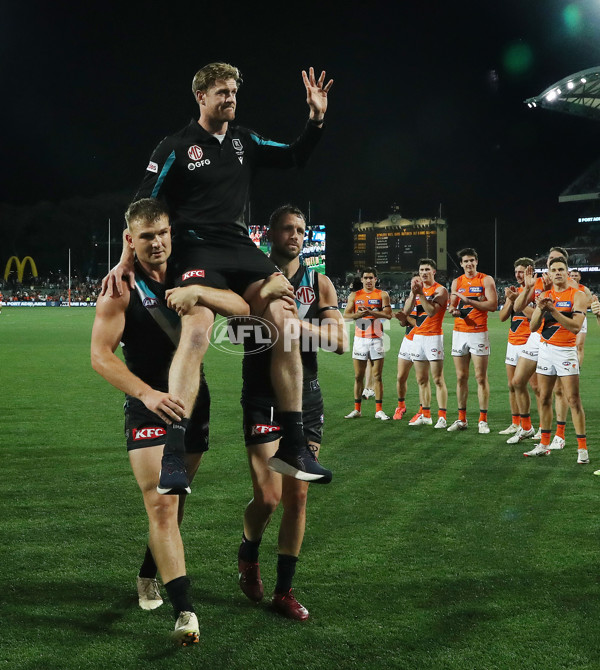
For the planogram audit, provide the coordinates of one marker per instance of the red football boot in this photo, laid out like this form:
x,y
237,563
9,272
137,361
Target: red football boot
x,y
250,581
287,605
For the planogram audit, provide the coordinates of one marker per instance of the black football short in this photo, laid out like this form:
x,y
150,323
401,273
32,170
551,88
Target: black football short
x,y
143,428
260,418
233,262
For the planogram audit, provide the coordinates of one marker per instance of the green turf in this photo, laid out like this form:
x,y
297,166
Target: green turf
x,y
428,550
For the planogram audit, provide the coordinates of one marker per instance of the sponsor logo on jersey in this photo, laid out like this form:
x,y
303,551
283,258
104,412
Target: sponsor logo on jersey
x,y
195,153
564,303
475,289
192,273
263,429
152,167
198,164
305,295
148,433
150,302
372,301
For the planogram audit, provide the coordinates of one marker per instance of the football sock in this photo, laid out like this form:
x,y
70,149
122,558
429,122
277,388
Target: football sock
x,y
442,412
427,412
175,437
560,429
462,414
148,569
248,550
515,419
401,403
483,415
286,568
379,405
357,404
545,441
178,592
526,421
292,430
581,442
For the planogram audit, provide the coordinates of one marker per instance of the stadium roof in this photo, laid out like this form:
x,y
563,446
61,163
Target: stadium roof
x,y
577,94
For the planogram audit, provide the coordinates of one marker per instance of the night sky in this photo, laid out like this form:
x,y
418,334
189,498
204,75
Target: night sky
x,y
426,110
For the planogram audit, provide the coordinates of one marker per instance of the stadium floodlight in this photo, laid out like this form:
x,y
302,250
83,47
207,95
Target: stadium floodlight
x,y
577,94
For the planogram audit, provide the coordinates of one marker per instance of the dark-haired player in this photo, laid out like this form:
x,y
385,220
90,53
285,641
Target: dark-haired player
x,y
315,301
472,296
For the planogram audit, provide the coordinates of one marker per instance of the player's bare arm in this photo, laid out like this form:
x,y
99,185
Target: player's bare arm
x,y
331,330
571,323
109,325
220,301
510,295
351,313
386,309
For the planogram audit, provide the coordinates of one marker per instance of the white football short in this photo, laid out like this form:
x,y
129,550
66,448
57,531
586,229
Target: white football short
x,y
428,348
583,330
476,344
557,361
513,353
366,348
406,349
531,348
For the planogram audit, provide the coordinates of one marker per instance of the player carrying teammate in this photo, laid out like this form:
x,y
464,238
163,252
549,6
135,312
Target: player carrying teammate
x,y
473,296
368,307
322,325
149,331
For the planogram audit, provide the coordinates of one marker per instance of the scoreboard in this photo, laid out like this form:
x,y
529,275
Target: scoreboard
x,y
399,248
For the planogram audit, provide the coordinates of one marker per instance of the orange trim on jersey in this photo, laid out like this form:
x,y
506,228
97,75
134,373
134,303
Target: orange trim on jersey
x,y
369,326
428,325
552,331
472,320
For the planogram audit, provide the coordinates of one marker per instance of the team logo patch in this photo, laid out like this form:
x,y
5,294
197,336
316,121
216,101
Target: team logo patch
x,y
152,167
566,364
150,302
263,429
305,295
461,290
192,273
237,144
195,153
149,433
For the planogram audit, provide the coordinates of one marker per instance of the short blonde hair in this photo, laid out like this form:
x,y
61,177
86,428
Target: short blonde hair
x,y
209,74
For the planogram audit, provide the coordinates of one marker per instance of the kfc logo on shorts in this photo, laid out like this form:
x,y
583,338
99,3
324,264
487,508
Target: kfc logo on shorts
x,y
434,351
195,153
152,167
150,302
566,364
263,429
192,273
148,433
305,295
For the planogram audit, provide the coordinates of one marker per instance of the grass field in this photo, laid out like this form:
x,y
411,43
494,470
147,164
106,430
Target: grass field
x,y
428,550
